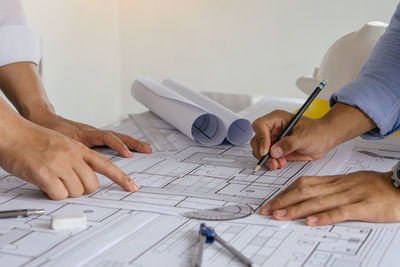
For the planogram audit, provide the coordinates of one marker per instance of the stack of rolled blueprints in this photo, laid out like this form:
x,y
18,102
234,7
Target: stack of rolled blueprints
x,y
195,115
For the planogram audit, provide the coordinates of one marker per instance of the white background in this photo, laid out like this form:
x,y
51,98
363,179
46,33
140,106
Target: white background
x,y
94,49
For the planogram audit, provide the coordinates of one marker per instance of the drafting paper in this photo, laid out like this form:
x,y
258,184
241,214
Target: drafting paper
x,y
200,118
144,228
195,122
239,130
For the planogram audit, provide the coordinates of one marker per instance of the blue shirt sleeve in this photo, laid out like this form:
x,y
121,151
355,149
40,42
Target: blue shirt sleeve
x,y
376,89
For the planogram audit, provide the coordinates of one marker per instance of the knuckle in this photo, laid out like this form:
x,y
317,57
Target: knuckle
x,y
319,201
52,193
292,211
288,144
277,112
257,123
342,185
305,190
107,163
261,139
343,212
77,192
58,195
303,180
277,202
80,146
43,173
109,134
253,143
91,188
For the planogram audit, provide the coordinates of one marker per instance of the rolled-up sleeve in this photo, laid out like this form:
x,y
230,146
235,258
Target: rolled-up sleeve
x,y
376,89
17,41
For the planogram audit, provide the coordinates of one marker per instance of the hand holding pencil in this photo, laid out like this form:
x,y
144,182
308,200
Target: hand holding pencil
x,y
279,137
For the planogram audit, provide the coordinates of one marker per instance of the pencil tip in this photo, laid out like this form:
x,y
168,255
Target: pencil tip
x,y
258,167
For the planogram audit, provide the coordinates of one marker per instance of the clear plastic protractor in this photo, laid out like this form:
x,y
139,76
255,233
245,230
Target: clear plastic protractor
x,y
229,212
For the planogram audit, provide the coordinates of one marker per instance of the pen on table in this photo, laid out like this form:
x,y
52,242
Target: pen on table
x,y
292,122
17,213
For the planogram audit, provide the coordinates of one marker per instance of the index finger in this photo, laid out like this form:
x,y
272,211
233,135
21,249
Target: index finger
x,y
104,166
262,136
134,144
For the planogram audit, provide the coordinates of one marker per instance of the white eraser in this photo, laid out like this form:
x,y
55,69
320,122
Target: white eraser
x,y
68,222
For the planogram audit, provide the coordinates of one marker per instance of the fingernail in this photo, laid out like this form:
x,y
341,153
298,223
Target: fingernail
x,y
127,149
311,220
277,152
264,210
146,144
269,165
263,150
280,213
133,185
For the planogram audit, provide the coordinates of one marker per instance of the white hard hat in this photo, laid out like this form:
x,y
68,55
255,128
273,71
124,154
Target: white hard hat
x,y
343,60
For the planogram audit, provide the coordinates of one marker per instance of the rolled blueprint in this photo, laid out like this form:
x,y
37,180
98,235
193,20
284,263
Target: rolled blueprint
x,y
239,130
192,120
195,115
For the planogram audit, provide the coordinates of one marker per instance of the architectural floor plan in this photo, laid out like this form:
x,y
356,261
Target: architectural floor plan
x,y
145,228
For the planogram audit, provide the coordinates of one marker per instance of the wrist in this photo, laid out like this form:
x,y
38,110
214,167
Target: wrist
x,y
21,83
11,127
344,122
37,112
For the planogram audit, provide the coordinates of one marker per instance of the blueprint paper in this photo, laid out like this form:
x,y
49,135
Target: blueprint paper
x,y
195,115
344,245
194,177
192,120
239,130
145,229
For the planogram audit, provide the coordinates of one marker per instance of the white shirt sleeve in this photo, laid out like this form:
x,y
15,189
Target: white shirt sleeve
x,y
18,42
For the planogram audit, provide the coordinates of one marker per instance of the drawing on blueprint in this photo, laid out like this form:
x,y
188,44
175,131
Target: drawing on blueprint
x,y
187,177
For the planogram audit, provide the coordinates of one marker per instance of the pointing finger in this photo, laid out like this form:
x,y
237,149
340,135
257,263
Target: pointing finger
x,y
104,166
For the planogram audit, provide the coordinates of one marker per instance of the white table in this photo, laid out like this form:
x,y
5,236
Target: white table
x,y
120,233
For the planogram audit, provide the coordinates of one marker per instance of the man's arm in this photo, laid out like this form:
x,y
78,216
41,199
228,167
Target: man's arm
x,y
376,89
20,81
365,196
57,164
22,85
368,106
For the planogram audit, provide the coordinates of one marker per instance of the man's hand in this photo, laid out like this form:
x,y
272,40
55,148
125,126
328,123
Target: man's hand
x,y
58,165
362,196
91,136
22,85
309,139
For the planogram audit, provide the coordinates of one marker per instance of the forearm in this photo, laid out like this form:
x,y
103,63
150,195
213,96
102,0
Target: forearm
x,y
344,122
375,90
11,125
21,83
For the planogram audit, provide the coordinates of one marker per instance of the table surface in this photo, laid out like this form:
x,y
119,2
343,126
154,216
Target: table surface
x,y
120,234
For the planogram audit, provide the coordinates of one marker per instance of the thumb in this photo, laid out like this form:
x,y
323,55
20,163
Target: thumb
x,y
285,146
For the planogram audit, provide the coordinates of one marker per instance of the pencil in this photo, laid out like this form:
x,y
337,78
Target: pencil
x,y
293,122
